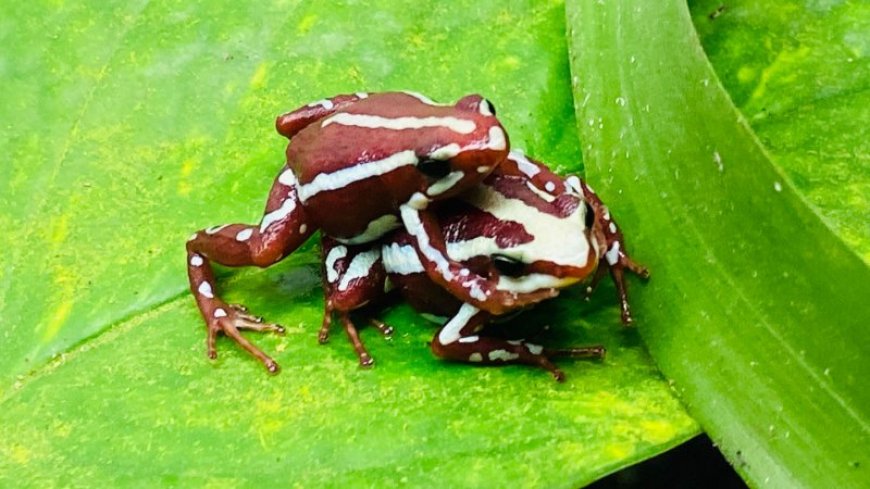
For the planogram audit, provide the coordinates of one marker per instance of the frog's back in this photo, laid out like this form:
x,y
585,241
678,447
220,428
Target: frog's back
x,y
370,149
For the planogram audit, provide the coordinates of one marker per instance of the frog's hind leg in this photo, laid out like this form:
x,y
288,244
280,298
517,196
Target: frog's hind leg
x,y
353,277
282,229
458,340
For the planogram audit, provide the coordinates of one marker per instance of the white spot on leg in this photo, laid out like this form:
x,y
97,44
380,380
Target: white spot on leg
x,y
550,186
361,95
244,234
325,103
193,236
574,184
483,169
196,261
469,339
475,357
534,349
205,290
333,256
612,254
303,228
612,227
220,313
502,355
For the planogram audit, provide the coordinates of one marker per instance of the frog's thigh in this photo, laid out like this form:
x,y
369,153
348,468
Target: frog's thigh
x,y
282,229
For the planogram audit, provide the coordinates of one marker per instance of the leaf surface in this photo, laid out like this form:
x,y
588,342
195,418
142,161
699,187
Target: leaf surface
x,y
756,310
132,124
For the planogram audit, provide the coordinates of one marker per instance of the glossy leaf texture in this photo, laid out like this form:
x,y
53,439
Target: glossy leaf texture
x,y
128,125
757,311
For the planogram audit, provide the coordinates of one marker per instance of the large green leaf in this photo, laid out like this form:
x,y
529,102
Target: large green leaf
x,y
130,124
757,311
800,73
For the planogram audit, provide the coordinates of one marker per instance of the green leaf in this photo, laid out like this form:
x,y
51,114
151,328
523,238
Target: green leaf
x,y
798,71
755,309
131,124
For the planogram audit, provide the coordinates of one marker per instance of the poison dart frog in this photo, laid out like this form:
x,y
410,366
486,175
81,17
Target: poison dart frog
x,y
357,167
524,227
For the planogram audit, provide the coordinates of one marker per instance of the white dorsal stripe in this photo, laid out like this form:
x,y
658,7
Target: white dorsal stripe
x,y
455,124
360,171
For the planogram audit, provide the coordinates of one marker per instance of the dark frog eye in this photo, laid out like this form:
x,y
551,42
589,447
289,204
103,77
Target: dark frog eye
x,y
434,168
486,107
508,266
590,215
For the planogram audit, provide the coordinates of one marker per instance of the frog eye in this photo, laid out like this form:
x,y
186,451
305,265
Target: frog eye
x,y
590,215
434,168
486,107
508,266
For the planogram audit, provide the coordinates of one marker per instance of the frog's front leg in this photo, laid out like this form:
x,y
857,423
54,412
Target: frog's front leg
x,y
282,229
292,122
453,276
459,340
353,277
612,245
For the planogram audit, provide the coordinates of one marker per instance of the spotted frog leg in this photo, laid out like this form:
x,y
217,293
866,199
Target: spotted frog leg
x,y
353,277
278,233
611,242
460,339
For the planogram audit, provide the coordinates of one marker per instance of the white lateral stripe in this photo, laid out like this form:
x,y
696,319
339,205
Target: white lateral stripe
x,y
359,267
455,124
445,183
532,282
280,213
361,171
411,219
450,332
374,230
401,259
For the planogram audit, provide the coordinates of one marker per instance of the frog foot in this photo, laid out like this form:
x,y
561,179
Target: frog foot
x,y
365,359
234,317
